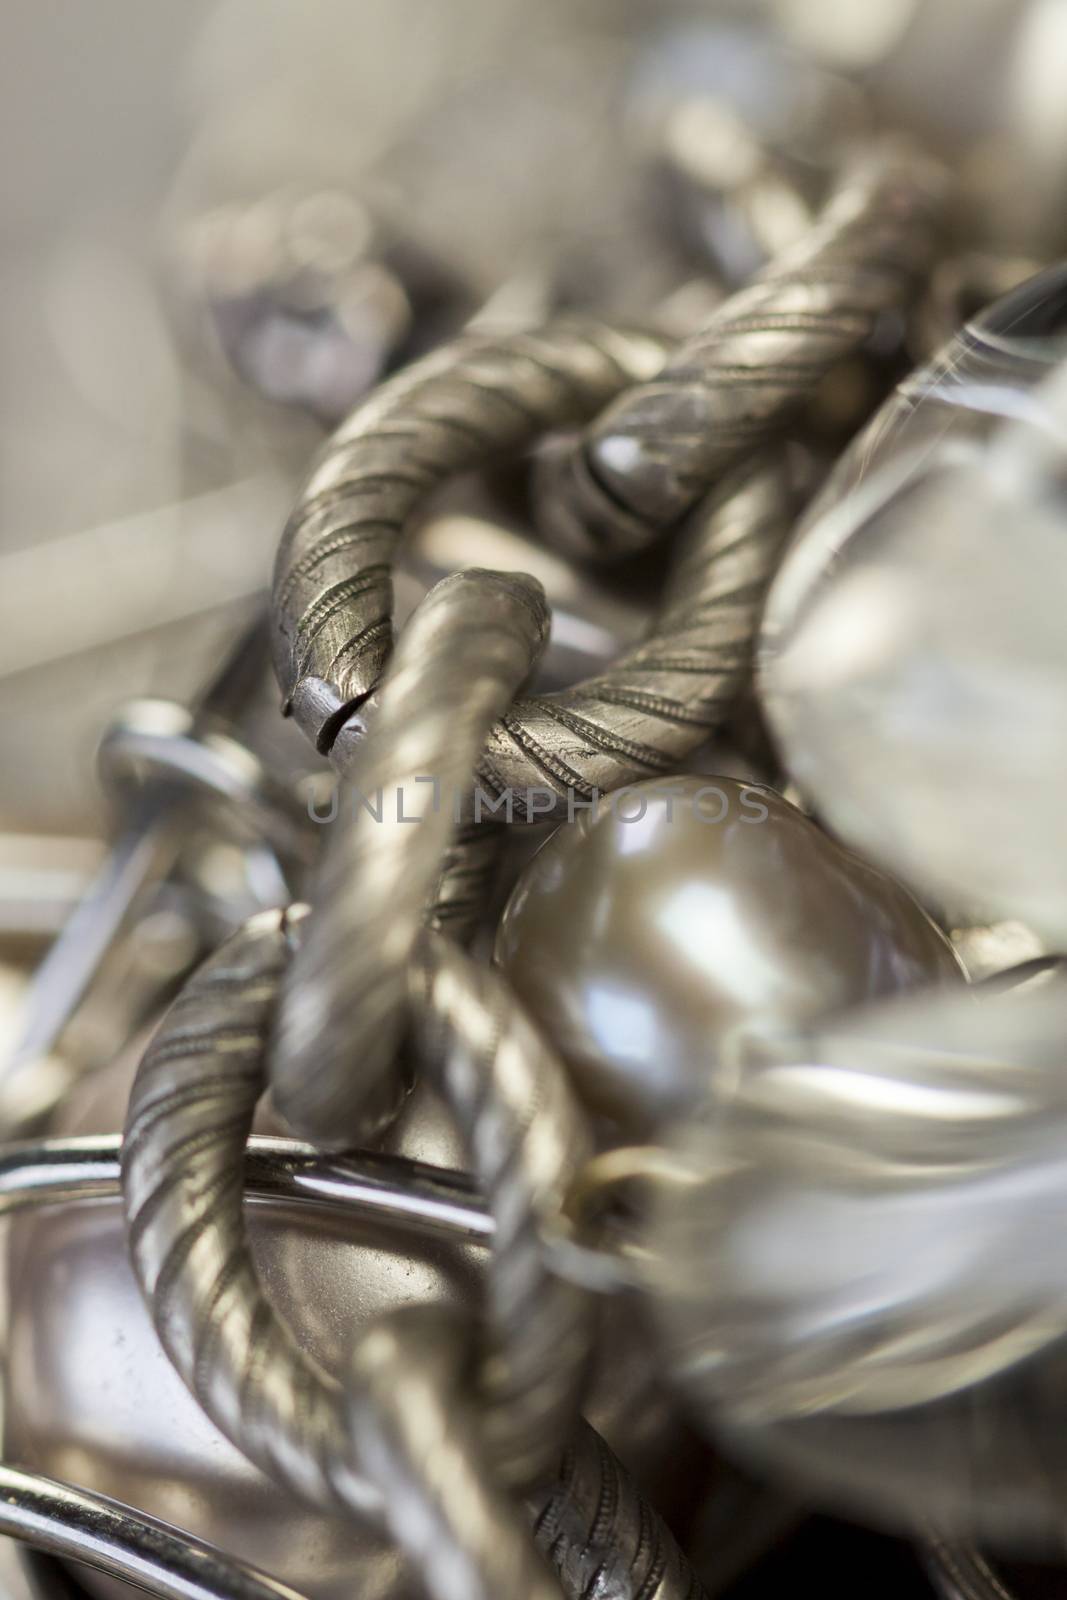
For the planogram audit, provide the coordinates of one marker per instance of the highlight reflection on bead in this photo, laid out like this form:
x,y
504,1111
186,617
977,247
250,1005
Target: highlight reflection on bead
x,y
690,911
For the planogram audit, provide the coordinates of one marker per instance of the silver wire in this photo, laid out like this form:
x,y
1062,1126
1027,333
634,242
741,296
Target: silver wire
x,y
124,1543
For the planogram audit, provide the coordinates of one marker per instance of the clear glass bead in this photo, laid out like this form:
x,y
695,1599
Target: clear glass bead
x,y
859,1275
913,659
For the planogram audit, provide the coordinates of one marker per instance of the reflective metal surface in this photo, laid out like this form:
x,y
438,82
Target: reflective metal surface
x,y
695,914
124,1543
466,651
665,697
708,1178
468,404
528,1139
190,1112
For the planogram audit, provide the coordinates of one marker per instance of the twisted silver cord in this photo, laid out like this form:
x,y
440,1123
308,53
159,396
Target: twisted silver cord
x,y
464,883
662,443
410,1415
662,699
408,1409
602,1536
189,1116
461,407
116,1539
336,1069
528,1140
182,1177
641,717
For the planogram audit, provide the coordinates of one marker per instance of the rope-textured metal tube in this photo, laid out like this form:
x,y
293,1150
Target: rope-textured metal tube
x,y
528,1140
660,701
410,1411
465,882
408,1408
337,1073
601,1534
189,1117
459,408
182,1170
662,444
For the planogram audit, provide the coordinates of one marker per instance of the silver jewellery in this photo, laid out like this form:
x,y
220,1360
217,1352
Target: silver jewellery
x,y
465,652
573,1140
182,1180
477,399
657,448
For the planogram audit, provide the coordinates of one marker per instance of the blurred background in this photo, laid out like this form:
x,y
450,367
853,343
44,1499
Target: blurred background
x,y
223,218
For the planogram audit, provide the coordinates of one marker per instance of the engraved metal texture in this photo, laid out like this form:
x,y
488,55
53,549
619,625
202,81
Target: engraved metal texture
x,y
662,444
465,405
336,1070
182,1173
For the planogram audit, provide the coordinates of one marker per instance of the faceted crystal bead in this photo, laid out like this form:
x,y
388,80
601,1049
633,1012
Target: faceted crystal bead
x,y
913,660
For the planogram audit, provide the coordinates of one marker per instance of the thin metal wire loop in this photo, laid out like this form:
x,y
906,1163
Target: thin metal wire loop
x,y
114,1538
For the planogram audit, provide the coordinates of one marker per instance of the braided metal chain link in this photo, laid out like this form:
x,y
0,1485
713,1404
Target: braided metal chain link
x,y
336,1070
656,705
528,1141
663,443
466,404
662,699
182,1172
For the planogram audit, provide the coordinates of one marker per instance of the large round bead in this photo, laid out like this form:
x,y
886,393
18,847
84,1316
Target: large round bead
x,y
691,912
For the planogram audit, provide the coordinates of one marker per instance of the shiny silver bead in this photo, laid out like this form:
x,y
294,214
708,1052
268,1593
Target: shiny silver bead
x,y
692,913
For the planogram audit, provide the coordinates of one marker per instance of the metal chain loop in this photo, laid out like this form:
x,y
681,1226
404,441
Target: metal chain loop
x,y
442,1422
641,717
664,442
461,407
182,1170
663,699
336,1070
528,1141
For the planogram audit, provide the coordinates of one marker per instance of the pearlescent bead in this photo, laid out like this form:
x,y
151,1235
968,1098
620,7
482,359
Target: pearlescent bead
x,y
693,912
